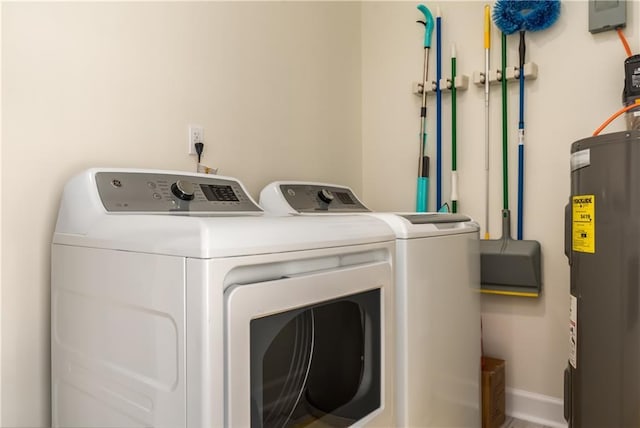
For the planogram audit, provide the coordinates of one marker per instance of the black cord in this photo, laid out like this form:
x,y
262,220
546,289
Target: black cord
x,y
199,149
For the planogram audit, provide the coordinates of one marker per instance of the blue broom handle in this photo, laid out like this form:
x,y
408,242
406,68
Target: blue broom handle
x,y
522,51
521,158
521,141
438,113
520,187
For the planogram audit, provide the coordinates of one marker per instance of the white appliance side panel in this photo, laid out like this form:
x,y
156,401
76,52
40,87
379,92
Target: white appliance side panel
x,y
438,292
205,339
242,303
118,333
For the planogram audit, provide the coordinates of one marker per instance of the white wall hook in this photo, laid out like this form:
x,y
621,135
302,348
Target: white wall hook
x,y
462,83
512,73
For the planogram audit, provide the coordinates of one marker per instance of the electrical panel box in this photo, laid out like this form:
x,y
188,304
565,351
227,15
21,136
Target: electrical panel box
x,y
607,15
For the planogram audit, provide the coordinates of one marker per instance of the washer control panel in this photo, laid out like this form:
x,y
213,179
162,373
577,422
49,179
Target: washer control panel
x,y
168,192
306,198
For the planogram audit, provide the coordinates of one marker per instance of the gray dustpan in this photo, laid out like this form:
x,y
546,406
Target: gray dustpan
x,y
509,266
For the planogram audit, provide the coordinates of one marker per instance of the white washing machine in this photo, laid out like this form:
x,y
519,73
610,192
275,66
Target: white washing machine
x,y
437,302
176,303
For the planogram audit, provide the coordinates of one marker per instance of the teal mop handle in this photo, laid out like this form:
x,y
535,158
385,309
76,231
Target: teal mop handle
x,y
428,23
422,194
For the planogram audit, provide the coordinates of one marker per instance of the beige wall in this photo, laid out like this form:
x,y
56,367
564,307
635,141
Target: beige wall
x,y
579,85
1,115
275,85
317,91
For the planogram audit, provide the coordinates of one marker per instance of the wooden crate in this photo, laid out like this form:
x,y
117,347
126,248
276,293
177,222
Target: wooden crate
x,y
493,395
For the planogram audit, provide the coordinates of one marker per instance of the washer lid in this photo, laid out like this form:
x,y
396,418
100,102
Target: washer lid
x,y
209,237
427,218
421,225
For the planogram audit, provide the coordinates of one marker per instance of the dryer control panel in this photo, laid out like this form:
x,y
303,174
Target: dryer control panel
x,y
129,191
314,198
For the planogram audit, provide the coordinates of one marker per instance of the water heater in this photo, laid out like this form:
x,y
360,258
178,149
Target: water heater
x,y
602,243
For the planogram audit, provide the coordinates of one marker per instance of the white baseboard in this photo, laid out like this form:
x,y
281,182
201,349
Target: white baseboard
x,y
536,408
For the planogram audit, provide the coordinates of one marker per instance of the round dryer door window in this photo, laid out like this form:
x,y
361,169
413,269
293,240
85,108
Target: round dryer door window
x,y
317,363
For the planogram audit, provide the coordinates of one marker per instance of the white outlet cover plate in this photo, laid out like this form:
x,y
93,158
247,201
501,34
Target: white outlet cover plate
x,y
196,134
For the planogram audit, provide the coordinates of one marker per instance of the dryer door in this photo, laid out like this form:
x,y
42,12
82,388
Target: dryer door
x,y
307,348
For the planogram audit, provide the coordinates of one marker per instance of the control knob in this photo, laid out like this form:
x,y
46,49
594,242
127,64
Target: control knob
x,y
183,190
325,196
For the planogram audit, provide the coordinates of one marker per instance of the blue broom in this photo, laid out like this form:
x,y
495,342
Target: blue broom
x,y
523,15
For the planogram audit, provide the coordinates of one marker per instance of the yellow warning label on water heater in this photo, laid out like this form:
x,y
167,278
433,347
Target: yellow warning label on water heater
x,y
584,223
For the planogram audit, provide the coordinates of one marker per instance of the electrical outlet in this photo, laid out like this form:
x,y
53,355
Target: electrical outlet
x,y
196,135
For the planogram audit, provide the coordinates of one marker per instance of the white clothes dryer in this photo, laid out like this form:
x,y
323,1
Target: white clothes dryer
x,y
176,303
438,372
